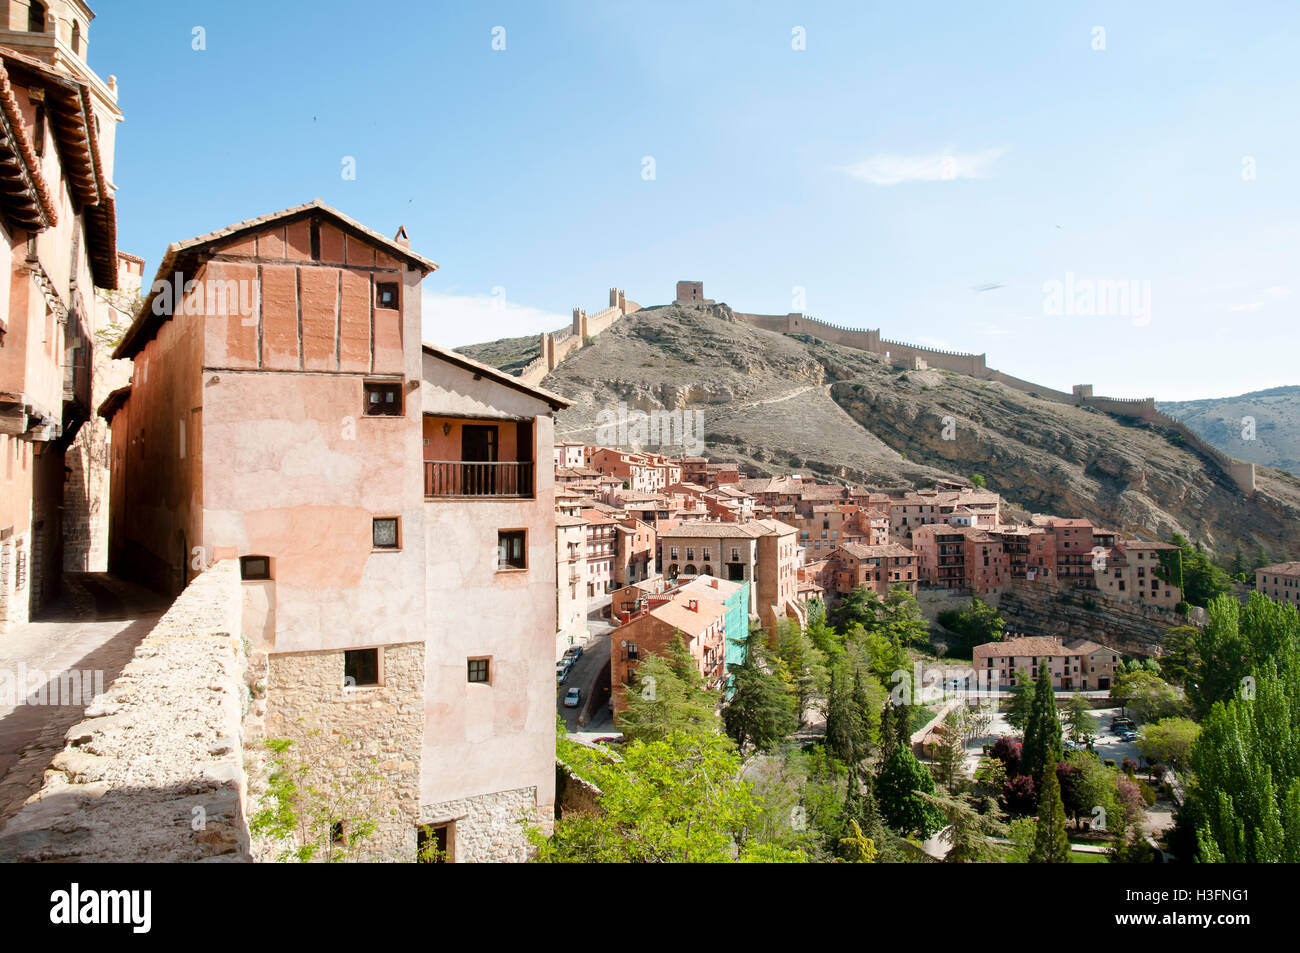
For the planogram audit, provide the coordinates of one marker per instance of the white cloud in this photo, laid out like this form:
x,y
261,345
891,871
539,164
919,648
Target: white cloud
x,y
452,320
1268,295
939,167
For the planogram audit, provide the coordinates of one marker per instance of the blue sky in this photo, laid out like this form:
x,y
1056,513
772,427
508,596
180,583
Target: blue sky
x,y
927,169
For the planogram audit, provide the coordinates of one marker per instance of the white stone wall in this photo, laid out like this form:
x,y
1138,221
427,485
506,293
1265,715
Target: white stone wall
x,y
490,828
364,741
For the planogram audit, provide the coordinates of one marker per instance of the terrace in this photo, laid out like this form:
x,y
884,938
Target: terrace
x,y
473,459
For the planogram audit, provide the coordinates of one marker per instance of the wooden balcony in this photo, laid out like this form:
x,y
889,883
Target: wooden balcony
x,y
464,480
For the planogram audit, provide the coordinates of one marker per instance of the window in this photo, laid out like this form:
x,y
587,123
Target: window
x,y
36,17
512,549
478,670
631,651
383,400
433,844
76,37
386,294
254,567
383,532
337,835
38,124
360,667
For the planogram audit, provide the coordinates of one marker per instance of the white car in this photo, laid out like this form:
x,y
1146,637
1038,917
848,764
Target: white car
x,y
571,697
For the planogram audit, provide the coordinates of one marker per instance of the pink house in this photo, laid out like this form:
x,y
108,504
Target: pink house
x,y
395,534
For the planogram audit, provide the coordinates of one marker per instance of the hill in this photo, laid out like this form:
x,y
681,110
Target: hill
x,y
776,402
1221,421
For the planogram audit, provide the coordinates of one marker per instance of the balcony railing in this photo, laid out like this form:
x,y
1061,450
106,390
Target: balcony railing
x,y
452,479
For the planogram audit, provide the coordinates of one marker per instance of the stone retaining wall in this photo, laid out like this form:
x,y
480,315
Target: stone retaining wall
x,y
155,772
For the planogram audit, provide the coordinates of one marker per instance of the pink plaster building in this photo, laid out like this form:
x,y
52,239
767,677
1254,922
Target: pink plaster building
x,y
397,538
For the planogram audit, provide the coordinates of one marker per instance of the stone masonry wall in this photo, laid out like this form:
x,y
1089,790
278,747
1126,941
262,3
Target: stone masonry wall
x,y
155,772
489,828
1036,608
364,743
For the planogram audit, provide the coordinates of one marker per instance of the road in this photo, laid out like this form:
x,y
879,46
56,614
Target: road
x,y
93,629
584,675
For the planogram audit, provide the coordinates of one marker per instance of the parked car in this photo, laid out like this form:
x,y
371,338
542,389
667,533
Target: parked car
x,y
562,670
1128,734
1121,722
573,652
571,697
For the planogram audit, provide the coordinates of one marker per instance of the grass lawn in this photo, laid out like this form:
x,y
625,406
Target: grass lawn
x,y
1079,857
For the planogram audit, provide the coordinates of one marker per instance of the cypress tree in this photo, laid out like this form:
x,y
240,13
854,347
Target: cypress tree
x,y
1051,843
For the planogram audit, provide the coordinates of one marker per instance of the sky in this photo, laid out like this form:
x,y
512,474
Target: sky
x,y
974,177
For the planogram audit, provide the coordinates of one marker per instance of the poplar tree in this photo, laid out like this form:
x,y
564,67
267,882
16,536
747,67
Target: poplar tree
x,y
1043,731
1051,843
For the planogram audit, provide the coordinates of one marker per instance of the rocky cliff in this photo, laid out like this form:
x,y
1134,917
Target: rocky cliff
x,y
776,402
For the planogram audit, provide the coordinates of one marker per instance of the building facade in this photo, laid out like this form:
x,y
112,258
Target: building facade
x,y
397,540
58,225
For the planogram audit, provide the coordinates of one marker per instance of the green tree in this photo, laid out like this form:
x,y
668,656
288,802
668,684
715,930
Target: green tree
x,y
1078,717
900,787
977,624
761,711
803,665
1051,843
1043,729
856,847
676,799
1168,741
1022,701
1191,569
1181,659
950,754
1147,696
967,830
1243,799
667,694
846,731
313,813
977,479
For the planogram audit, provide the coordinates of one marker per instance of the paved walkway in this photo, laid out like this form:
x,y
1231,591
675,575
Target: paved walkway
x,y
92,630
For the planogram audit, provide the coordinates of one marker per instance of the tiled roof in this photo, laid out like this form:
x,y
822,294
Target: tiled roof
x,y
1036,646
1282,569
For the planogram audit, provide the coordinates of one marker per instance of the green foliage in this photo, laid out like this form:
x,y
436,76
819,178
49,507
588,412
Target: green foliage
x,y
1236,641
1147,696
977,624
856,847
1022,700
967,830
1243,801
802,665
1078,718
977,479
761,711
667,695
313,813
1168,741
900,788
1051,843
1191,570
675,799
1042,748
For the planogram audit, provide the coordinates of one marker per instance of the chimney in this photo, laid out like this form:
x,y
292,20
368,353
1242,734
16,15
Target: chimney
x,y
714,583
401,237
693,605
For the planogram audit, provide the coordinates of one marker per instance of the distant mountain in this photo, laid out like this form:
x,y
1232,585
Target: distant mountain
x,y
1223,422
777,402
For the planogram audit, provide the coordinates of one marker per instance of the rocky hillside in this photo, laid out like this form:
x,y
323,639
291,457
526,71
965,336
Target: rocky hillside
x,y
1220,421
778,402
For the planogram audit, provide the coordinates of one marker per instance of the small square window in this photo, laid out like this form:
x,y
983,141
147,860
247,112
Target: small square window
x,y
386,295
478,670
512,549
254,567
383,400
383,533
360,667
